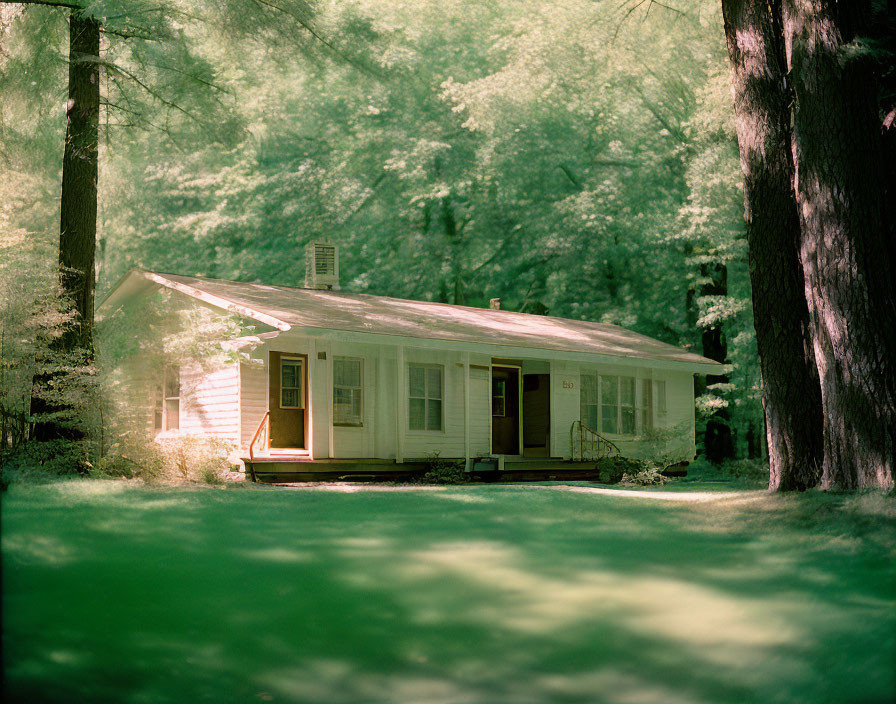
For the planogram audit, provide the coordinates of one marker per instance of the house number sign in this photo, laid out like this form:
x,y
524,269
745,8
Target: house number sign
x,y
567,384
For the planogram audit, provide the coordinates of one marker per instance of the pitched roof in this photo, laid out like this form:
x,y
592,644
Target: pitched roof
x,y
282,307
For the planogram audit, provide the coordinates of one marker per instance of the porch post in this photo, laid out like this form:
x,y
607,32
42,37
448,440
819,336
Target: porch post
x,y
331,444
400,406
467,410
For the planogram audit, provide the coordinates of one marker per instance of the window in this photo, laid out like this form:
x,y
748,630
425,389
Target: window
x,y
589,401
607,403
424,397
646,408
292,382
627,404
347,392
166,412
499,397
660,400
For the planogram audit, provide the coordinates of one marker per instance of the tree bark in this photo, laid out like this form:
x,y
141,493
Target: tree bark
x,y
790,387
77,239
77,232
847,262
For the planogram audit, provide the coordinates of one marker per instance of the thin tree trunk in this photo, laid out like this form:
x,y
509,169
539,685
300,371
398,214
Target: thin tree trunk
x,y
790,389
77,237
717,441
847,261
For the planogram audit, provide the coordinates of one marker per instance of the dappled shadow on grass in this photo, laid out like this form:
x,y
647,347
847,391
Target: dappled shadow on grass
x,y
473,594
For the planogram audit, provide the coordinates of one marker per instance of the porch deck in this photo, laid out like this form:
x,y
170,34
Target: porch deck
x,y
281,468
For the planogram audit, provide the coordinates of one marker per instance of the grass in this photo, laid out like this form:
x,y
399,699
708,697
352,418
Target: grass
x,y
448,594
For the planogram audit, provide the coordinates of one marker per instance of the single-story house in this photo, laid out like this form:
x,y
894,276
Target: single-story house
x,y
329,376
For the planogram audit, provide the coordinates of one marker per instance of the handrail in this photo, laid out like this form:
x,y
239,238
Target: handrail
x,y
597,445
265,422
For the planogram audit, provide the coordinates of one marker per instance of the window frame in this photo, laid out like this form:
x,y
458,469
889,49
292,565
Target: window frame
x,y
161,415
426,398
300,388
598,402
360,388
502,397
594,403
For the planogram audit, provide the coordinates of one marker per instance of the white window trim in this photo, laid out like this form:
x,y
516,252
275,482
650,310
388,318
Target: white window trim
x,y
636,407
301,386
164,431
343,424
441,368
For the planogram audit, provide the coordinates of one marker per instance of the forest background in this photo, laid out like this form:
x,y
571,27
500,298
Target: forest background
x,y
574,159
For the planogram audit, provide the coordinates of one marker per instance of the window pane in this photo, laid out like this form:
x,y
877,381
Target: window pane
x,y
589,388
608,419
646,393
339,372
417,385
498,406
628,390
342,397
661,397
628,420
589,416
434,383
347,372
416,414
172,382
288,375
356,405
608,390
172,415
434,418
289,397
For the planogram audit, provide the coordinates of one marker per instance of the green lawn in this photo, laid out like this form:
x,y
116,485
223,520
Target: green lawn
x,y
476,594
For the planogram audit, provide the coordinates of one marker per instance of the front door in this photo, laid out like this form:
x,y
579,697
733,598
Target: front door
x,y
536,414
288,399
505,410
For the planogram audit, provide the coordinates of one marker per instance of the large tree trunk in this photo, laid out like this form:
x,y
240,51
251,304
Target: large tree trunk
x,y
790,389
717,440
847,261
77,238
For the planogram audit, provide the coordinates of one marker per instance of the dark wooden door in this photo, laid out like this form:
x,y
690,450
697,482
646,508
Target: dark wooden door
x,y
536,413
288,399
505,411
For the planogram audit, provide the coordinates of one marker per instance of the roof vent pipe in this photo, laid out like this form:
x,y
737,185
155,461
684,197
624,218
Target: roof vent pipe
x,y
321,266
495,304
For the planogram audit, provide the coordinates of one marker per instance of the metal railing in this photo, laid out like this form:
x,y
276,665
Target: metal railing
x,y
264,426
587,444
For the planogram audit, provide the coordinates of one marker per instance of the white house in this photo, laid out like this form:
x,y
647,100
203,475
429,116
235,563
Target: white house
x,y
333,377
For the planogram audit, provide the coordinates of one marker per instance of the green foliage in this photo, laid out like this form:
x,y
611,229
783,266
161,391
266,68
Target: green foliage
x,y
643,473
578,161
40,462
441,471
173,460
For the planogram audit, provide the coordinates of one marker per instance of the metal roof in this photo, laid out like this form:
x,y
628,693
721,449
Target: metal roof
x,y
282,307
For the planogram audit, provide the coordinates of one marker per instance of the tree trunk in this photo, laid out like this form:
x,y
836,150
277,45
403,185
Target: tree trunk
x,y
790,388
847,261
718,443
77,234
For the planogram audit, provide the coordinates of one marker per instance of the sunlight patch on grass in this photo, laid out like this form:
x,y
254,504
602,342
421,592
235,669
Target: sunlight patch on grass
x,y
283,555
38,549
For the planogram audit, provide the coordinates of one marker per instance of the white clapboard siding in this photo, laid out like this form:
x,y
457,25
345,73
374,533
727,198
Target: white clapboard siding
x,y
253,399
480,412
210,402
